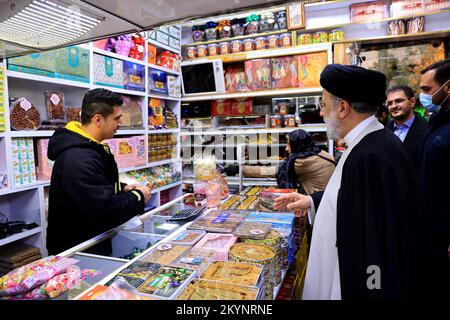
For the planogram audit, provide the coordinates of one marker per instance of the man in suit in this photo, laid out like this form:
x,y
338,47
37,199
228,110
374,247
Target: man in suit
x,y
407,125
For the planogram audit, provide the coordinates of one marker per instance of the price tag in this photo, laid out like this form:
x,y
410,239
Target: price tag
x,y
55,99
256,231
164,247
25,104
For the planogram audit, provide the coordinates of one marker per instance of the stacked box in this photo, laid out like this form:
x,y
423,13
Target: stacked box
x,y
2,99
44,165
128,152
258,74
108,71
24,168
134,76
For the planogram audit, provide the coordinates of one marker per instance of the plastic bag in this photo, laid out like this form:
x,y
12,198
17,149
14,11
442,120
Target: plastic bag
x,y
34,274
120,289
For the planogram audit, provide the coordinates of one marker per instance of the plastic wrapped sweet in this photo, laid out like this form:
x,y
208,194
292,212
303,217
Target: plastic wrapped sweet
x,y
224,29
213,49
24,115
211,30
28,277
202,51
281,20
236,46
205,168
120,289
320,37
237,25
138,49
191,52
198,33
285,40
122,44
252,24
273,41
304,39
55,105
260,43
267,22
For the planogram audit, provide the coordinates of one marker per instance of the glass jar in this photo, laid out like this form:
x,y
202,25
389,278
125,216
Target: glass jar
x,y
249,44
320,37
304,39
211,34
285,40
275,121
213,49
198,33
224,47
202,51
224,29
289,120
236,46
260,43
273,41
191,52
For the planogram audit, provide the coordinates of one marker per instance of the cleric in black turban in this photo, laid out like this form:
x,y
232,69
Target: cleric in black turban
x,y
354,84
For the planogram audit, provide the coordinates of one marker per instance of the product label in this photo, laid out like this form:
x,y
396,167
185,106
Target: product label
x,y
221,218
256,231
162,37
164,246
181,237
25,104
194,261
55,99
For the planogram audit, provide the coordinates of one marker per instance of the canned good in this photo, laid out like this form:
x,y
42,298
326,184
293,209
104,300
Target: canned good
x,y
201,51
305,38
236,46
260,43
289,121
285,40
191,52
320,36
275,121
273,41
213,49
211,34
249,44
224,47
252,27
336,35
238,29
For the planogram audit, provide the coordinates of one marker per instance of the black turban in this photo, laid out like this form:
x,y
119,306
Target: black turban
x,y
354,84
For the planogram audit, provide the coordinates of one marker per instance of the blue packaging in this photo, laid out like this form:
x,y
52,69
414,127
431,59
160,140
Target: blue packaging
x,y
157,81
134,76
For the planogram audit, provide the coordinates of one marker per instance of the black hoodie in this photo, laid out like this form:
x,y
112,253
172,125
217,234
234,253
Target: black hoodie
x,y
85,197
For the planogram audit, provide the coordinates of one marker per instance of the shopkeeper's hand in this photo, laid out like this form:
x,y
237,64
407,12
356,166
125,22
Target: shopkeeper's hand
x,y
130,187
145,191
292,201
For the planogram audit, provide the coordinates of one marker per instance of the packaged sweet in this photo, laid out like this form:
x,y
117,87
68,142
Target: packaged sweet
x,y
202,51
237,25
205,168
131,112
134,76
224,29
157,81
304,39
24,115
224,47
28,277
261,43
249,44
211,30
236,46
167,282
267,22
122,44
73,113
151,54
281,20
235,78
244,274
198,33
55,104
285,40
284,72
267,197
120,289
213,49
200,289
191,53
252,24
258,74
138,49
273,41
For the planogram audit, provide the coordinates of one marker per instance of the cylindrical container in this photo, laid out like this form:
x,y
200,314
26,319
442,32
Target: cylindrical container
x,y
320,37
198,33
396,27
213,49
304,39
336,35
285,40
273,240
260,43
237,26
191,52
236,46
289,120
257,254
249,44
273,41
281,20
202,51
252,27
275,121
224,47
211,34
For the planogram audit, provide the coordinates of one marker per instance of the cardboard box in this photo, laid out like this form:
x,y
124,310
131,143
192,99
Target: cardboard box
x,y
151,54
175,32
241,107
284,72
258,74
45,165
174,43
108,71
235,80
134,76
162,37
73,60
220,108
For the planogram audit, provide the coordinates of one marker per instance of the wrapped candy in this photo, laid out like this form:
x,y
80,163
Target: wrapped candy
x,y
252,24
237,25
281,20
224,29
211,30
122,44
137,51
198,33
267,22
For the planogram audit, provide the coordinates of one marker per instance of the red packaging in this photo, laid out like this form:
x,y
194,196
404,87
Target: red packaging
x,y
284,72
138,49
367,11
235,78
242,107
168,60
404,8
258,74
220,108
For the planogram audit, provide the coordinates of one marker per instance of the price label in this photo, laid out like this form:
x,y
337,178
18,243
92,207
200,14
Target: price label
x,y
256,231
25,104
164,247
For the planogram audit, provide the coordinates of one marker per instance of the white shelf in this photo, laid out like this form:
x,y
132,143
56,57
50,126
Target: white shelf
x,y
130,132
163,162
152,131
118,56
254,94
233,145
121,91
163,97
58,81
318,127
19,236
167,70
2,134
37,133
123,170
169,186
162,46
31,186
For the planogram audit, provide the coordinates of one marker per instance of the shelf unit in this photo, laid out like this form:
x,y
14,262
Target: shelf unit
x,y
20,84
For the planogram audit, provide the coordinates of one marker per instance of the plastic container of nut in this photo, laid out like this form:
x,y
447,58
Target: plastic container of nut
x,y
54,102
24,115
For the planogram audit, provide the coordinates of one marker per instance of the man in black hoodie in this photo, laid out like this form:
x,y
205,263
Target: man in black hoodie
x,y
86,197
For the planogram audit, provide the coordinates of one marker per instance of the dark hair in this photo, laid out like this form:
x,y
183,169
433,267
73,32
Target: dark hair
x,y
99,101
406,90
442,71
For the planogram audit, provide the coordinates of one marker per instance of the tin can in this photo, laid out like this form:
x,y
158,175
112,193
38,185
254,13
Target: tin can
x,y
336,35
273,41
285,40
260,43
249,44
202,51
224,47
304,39
213,49
320,37
236,46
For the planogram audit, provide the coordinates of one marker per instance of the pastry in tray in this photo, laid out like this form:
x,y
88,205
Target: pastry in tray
x,y
252,252
230,214
233,272
252,230
216,224
196,259
165,253
199,289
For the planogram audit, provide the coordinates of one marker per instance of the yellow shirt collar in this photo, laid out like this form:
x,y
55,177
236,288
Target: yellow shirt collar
x,y
76,127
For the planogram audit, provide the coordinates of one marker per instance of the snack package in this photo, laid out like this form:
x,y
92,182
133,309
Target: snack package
x,y
157,81
120,289
24,115
258,74
221,107
138,49
267,197
55,105
241,107
28,277
134,76
131,112
155,113
284,72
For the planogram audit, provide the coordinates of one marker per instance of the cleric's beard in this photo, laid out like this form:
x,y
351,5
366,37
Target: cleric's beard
x,y
333,126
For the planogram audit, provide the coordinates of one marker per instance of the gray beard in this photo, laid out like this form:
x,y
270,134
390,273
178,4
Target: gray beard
x,y
332,128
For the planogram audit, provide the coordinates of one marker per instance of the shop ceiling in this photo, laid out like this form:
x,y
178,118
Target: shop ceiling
x,y
28,26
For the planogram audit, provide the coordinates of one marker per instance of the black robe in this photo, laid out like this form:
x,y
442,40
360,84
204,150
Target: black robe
x,y
379,220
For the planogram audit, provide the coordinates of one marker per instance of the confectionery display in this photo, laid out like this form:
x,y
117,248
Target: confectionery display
x,y
233,272
200,289
252,230
188,237
165,253
24,115
220,243
166,282
196,259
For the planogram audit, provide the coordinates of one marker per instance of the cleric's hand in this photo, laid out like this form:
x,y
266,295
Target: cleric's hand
x,y
130,187
292,201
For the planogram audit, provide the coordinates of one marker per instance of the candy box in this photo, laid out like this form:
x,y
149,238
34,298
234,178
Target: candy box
x,y
220,243
157,81
241,107
131,112
44,164
108,71
267,197
235,78
258,74
362,12
284,72
134,76
188,238
138,144
72,61
151,54
220,107
41,61
196,259
165,253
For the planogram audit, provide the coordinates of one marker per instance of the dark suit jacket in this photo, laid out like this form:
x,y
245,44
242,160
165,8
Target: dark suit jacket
x,y
414,138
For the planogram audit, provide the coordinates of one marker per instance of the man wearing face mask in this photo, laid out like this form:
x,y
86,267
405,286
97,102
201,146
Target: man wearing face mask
x,y
435,169
366,240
